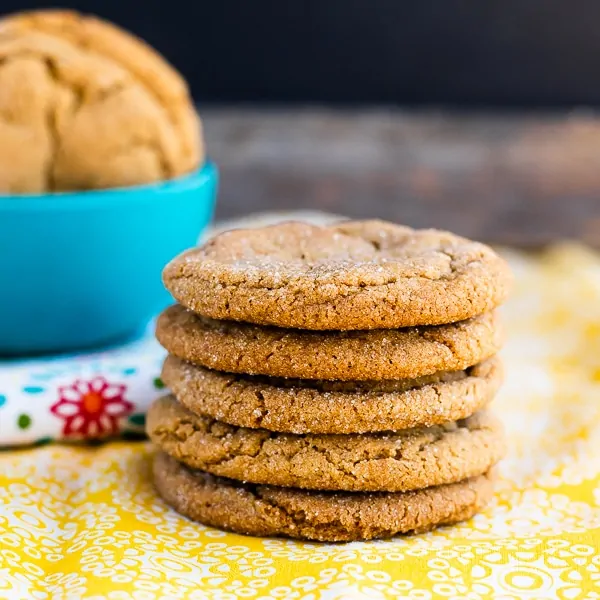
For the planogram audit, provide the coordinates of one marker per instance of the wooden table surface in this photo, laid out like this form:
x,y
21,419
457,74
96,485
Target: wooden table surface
x,y
521,179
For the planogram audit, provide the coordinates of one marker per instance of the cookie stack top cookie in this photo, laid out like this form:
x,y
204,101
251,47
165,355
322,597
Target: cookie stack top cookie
x,y
356,275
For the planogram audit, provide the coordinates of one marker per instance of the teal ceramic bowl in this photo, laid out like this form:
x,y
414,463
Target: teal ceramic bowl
x,y
82,270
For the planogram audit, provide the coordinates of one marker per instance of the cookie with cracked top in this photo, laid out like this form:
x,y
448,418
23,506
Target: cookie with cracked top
x,y
353,275
341,355
317,406
321,516
391,461
87,105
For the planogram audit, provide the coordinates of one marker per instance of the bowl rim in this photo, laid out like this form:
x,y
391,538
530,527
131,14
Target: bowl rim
x,y
206,174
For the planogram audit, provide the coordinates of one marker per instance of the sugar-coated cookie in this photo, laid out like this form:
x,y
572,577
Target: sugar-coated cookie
x,y
318,406
337,355
391,461
323,516
353,275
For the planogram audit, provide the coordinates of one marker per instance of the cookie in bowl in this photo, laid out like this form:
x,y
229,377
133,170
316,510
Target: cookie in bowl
x,y
87,105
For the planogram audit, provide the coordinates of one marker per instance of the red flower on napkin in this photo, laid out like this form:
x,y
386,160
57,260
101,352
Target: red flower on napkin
x,y
91,408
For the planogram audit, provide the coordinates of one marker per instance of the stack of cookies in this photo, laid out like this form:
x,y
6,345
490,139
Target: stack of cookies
x,y
330,383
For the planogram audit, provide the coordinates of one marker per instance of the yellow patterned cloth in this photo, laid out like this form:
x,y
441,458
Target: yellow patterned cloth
x,y
85,523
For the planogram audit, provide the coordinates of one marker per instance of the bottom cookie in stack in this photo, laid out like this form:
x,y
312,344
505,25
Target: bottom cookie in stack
x,y
266,510
380,484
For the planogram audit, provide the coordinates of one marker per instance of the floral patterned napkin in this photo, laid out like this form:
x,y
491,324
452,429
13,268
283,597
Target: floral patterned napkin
x,y
91,395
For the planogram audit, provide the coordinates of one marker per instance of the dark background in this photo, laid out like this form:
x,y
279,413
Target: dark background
x,y
493,53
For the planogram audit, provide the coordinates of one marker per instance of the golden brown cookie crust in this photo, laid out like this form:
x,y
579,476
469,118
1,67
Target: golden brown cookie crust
x,y
391,462
322,516
87,105
349,276
351,355
314,406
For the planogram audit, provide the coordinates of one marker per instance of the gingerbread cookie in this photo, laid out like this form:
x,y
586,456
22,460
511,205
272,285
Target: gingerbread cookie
x,y
351,355
392,462
316,406
323,516
353,275
87,105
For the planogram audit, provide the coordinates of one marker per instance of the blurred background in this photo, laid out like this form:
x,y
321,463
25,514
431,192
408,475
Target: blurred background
x,y
476,117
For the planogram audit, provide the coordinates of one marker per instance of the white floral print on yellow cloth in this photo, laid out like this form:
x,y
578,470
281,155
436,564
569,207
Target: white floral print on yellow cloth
x,y
94,395
81,522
